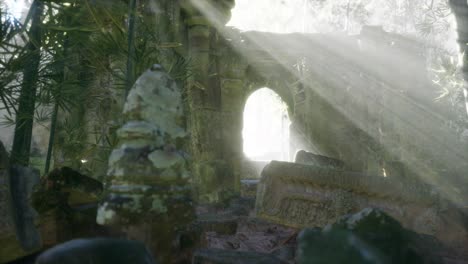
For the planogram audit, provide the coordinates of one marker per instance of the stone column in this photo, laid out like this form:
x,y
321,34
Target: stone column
x,y
213,178
232,70
148,177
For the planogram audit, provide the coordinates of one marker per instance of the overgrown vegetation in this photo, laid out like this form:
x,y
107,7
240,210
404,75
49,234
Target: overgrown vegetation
x,y
82,74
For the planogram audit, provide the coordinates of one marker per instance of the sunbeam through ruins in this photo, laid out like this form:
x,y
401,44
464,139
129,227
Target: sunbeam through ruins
x,y
234,131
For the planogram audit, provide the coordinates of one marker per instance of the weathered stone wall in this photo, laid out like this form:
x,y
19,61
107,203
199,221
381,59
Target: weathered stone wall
x,y
362,99
229,65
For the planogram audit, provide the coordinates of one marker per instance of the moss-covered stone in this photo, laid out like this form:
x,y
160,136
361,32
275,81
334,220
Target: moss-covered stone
x,y
215,181
148,180
370,236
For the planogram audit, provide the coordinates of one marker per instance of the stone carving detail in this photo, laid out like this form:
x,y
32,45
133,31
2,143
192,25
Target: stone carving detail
x,y
148,180
301,195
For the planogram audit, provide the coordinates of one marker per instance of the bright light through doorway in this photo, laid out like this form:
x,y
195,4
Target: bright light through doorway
x,y
266,127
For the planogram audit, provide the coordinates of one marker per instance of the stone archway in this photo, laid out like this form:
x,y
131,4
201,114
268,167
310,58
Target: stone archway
x,y
235,65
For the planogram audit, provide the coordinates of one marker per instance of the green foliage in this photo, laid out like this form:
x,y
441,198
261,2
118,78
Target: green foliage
x,y
435,18
82,74
12,58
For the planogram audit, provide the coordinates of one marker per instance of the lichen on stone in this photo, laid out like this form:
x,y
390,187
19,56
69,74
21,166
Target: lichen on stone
x,y
148,178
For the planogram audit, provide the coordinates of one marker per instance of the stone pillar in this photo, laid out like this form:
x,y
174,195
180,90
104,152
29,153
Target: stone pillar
x,y
205,118
213,177
148,177
232,71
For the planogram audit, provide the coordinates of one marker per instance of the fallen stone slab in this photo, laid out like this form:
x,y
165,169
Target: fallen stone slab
x,y
309,158
300,196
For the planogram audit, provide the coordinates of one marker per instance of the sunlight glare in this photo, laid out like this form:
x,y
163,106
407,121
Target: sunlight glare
x,y
266,127
15,7
276,16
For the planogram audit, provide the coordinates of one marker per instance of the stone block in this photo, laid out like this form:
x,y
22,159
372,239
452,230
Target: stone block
x,y
232,136
232,64
206,134
232,95
309,158
300,196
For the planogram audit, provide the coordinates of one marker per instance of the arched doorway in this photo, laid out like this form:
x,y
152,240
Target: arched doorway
x,y
266,127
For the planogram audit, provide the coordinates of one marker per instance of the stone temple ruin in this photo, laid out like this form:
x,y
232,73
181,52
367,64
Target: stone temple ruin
x,y
176,178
